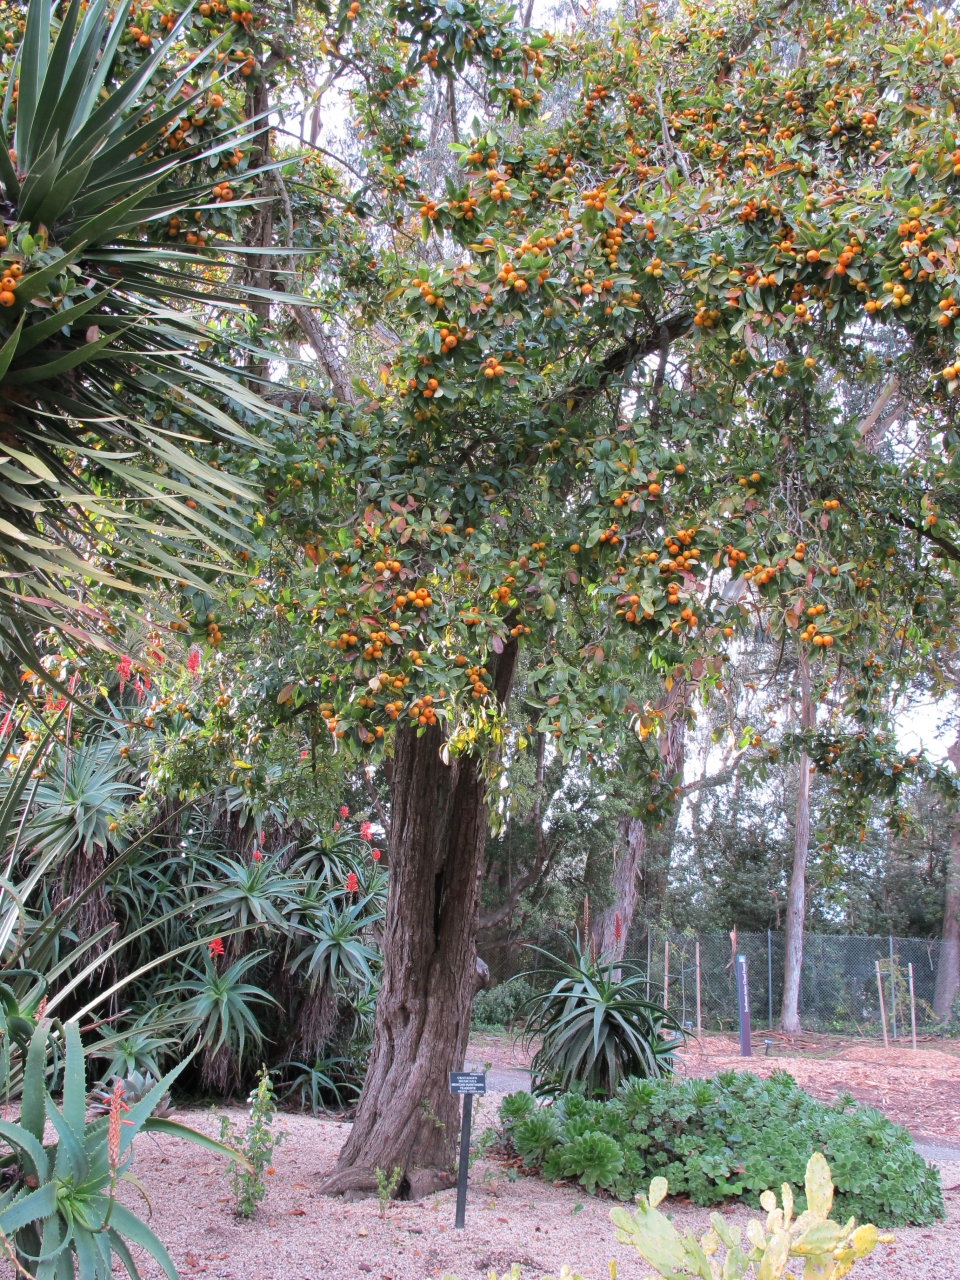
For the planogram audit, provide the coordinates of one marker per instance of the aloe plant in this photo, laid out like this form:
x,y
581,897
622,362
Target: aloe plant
x,y
594,1028
59,1215
96,329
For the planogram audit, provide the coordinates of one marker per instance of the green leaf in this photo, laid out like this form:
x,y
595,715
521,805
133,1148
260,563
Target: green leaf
x,y
33,1113
173,1129
9,348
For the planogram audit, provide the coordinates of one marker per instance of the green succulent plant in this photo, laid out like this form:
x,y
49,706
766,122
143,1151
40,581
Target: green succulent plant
x,y
593,1158
829,1249
59,1215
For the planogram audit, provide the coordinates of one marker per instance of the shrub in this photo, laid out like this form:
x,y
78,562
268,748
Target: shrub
x,y
498,1006
734,1136
594,1028
593,1158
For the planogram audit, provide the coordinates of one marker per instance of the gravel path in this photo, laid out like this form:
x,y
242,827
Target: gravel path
x,y
298,1235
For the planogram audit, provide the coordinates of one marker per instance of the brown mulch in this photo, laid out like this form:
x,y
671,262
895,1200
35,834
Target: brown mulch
x,y
920,1090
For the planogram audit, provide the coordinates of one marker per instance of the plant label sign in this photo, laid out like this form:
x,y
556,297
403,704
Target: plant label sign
x,y
468,1082
465,1084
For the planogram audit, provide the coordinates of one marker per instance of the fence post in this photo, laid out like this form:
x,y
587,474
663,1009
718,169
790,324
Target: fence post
x,y
913,1008
698,990
666,972
893,989
883,1011
649,958
769,981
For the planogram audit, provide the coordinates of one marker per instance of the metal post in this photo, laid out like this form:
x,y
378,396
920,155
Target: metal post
x,y
699,1030
883,1011
464,1160
743,1007
893,990
666,972
769,981
913,1008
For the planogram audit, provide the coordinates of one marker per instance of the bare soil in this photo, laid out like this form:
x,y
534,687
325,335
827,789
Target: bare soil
x,y
300,1235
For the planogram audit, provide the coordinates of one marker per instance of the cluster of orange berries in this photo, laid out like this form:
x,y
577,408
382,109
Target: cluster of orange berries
x,y
422,710
519,630
374,649
499,190
754,478
491,367
420,598
469,619
11,276
630,615
429,209
799,551
381,566
432,386
508,275
705,317
426,293
142,37
623,499
346,640
734,555
611,244
474,677
353,10
213,633
764,573
466,207
812,633
948,311
609,536
689,617
222,192
595,199
831,504
504,591
449,339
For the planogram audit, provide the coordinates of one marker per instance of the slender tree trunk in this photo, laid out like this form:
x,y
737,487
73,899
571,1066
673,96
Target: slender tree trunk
x,y
644,856
406,1117
797,897
948,966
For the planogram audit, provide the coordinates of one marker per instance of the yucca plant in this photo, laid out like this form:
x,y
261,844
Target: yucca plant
x,y
594,1028
101,371
59,1215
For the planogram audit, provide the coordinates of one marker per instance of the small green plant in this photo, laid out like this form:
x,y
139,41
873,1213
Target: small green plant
x,y
594,1159
829,1249
258,1143
386,1187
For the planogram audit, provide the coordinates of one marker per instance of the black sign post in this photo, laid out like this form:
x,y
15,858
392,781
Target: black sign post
x,y
743,1007
466,1084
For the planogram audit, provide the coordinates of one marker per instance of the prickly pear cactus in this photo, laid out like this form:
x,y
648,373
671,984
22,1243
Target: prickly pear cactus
x,y
828,1249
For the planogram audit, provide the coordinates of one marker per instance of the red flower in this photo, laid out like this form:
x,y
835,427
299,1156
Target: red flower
x,y
375,854
617,927
304,753
365,830
344,811
257,856
193,661
123,670
351,885
215,947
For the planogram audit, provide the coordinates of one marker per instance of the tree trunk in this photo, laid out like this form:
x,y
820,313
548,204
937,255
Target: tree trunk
x,y
948,966
797,897
644,855
406,1117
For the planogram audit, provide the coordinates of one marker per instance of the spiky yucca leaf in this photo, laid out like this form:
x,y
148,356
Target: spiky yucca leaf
x,y
103,384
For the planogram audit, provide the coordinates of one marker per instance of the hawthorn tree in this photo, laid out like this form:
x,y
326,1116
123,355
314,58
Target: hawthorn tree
x,y
637,349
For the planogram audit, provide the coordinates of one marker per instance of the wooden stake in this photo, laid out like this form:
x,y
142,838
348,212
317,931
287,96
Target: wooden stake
x,y
586,921
883,1009
913,1008
699,1030
666,972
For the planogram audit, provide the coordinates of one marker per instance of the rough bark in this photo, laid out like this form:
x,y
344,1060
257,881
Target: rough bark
x,y
406,1117
643,857
797,897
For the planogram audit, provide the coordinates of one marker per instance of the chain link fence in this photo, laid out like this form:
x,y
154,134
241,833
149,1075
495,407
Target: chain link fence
x,y
694,974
